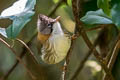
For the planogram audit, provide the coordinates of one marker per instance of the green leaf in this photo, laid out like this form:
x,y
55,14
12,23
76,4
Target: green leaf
x,y
20,20
3,32
116,14
104,5
18,24
69,2
55,1
96,17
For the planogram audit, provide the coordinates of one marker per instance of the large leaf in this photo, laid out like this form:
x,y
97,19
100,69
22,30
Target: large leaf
x,y
96,17
104,5
20,19
2,31
19,22
116,14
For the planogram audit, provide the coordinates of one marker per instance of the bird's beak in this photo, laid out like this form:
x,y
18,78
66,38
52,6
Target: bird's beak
x,y
57,19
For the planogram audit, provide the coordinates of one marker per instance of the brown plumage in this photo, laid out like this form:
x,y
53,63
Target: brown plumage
x,y
43,37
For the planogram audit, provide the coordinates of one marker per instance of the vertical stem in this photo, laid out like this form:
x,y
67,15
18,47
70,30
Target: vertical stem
x,y
67,61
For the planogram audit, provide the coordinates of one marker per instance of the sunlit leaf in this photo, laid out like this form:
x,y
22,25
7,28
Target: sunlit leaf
x,y
3,32
55,1
20,19
104,5
69,2
18,23
96,17
16,8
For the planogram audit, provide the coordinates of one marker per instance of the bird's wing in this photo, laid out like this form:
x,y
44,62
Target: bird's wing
x,y
56,49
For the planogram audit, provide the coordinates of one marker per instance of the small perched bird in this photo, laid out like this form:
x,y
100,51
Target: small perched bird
x,y
55,44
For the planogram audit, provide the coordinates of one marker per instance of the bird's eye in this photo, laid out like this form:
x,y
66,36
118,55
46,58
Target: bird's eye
x,y
49,25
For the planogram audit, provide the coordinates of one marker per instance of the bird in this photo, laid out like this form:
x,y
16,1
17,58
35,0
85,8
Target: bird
x,y
55,43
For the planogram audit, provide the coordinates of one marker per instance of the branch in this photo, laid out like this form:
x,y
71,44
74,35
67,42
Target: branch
x,y
114,55
14,66
96,28
84,60
5,43
67,60
30,41
27,49
71,48
82,63
85,37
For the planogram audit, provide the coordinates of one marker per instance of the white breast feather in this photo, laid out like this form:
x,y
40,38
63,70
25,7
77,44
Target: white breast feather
x,y
56,47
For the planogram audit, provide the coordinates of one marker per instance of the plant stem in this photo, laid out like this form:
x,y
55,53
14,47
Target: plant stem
x,y
5,43
81,31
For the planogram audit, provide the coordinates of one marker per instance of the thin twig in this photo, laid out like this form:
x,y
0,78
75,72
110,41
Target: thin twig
x,y
96,28
114,56
14,66
30,41
96,54
68,55
85,37
27,49
82,63
4,42
67,60
114,53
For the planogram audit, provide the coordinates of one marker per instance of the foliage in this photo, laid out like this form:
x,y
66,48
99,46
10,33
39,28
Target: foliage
x,y
107,14
96,17
104,12
102,16
104,5
19,19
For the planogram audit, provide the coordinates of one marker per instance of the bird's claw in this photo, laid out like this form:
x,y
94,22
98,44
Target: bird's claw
x,y
74,36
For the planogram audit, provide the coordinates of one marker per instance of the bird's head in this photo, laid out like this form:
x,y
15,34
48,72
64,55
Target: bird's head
x,y
45,24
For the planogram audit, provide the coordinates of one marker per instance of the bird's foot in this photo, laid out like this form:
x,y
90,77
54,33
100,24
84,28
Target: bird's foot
x,y
74,36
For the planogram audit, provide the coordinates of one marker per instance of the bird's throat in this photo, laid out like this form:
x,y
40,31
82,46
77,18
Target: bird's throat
x,y
43,37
